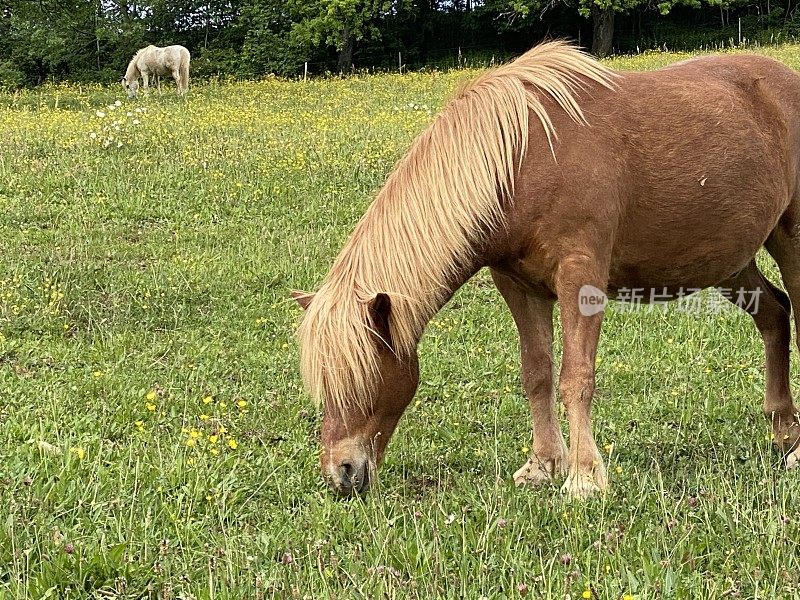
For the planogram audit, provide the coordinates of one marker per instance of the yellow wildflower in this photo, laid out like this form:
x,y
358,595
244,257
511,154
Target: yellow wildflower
x,y
151,395
232,444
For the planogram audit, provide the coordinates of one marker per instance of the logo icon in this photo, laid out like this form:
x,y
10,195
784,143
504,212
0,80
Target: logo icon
x,y
591,300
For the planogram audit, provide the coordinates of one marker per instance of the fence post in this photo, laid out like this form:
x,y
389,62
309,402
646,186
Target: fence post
x,y
305,71
400,61
740,31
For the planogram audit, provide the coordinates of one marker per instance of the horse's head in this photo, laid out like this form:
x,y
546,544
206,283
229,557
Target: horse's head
x,y
355,431
132,87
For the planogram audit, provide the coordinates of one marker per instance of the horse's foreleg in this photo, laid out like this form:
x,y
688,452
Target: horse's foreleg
x,y
533,315
581,324
146,83
158,83
176,74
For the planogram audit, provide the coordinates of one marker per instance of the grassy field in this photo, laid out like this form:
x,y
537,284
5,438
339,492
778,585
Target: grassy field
x,y
154,437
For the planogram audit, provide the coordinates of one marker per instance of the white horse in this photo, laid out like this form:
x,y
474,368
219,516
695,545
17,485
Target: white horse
x,y
157,61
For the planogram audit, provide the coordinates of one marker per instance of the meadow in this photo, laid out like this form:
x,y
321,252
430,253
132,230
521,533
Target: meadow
x,y
155,439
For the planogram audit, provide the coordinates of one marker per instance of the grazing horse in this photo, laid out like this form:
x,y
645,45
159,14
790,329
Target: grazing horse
x,y
558,174
157,61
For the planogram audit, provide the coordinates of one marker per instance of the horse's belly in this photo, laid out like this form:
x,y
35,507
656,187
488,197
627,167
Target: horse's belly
x,y
696,246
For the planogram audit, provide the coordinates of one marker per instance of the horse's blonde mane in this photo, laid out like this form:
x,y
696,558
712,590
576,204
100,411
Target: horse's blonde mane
x,y
436,205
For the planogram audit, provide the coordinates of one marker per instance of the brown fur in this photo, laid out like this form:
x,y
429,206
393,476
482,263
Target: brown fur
x,y
679,178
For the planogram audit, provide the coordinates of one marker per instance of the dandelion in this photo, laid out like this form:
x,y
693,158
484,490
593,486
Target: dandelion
x,y
151,407
151,395
213,439
204,417
214,451
78,451
232,444
139,425
587,593
97,374
241,403
191,442
525,449
618,470
207,399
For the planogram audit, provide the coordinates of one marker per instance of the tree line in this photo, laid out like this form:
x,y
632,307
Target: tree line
x,y
94,39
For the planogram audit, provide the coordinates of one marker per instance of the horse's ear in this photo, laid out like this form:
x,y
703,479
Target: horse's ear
x,y
379,308
302,298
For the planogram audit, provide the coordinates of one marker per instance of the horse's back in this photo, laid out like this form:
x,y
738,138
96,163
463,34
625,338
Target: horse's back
x,y
682,172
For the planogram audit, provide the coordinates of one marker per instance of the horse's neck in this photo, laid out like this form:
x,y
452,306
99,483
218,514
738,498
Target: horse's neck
x,y
133,71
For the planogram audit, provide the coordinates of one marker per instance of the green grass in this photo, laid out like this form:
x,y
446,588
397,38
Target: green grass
x,y
144,294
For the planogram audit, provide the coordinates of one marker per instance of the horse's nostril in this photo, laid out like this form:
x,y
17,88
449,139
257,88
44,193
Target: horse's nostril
x,y
353,476
348,471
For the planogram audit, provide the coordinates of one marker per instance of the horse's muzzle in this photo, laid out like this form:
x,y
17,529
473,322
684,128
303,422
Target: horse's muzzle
x,y
351,477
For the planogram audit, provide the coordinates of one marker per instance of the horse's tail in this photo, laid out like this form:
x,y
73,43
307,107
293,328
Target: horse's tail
x,y
184,71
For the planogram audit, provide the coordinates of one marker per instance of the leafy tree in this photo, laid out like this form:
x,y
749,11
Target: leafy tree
x,y
338,23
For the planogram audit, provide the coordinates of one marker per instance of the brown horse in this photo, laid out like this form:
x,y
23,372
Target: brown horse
x,y
558,173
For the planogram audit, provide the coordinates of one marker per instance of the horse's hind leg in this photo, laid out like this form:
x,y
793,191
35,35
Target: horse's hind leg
x,y
770,310
784,246
533,315
176,74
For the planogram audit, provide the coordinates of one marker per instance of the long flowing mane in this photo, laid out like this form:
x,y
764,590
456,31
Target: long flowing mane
x,y
132,72
422,228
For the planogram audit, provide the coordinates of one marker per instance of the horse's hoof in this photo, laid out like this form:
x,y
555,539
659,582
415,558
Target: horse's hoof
x,y
581,486
537,471
793,459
